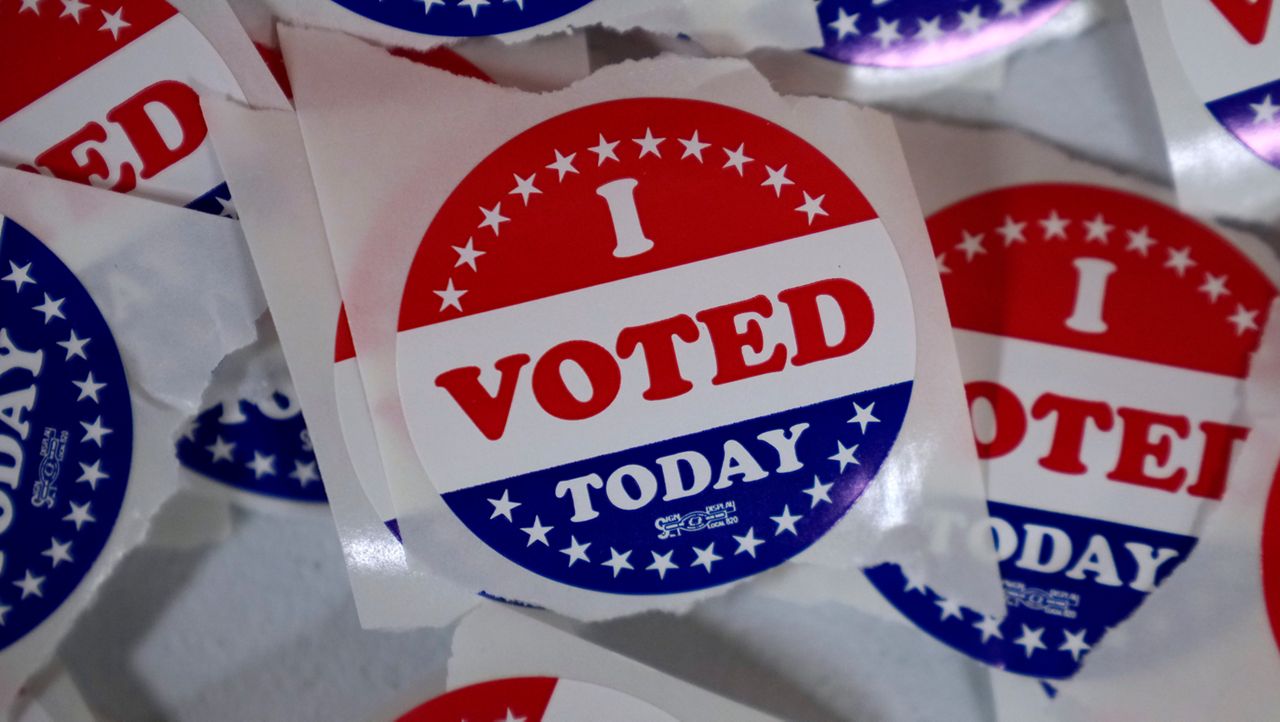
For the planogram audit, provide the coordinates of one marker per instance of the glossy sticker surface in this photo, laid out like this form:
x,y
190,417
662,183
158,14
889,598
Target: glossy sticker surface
x,y
654,345
462,18
536,699
1102,337
66,432
921,33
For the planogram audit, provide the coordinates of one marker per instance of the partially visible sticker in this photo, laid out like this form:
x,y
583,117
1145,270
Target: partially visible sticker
x,y
920,33
66,432
1102,337
654,345
1271,557
463,18
535,699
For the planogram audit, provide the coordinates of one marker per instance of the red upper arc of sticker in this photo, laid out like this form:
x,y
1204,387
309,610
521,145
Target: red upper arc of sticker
x,y
1248,17
524,697
528,222
1271,557
1180,295
45,43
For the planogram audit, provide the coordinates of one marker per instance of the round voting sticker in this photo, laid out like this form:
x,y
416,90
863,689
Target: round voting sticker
x,y
654,345
66,432
920,33
462,18
536,699
1102,337
1271,557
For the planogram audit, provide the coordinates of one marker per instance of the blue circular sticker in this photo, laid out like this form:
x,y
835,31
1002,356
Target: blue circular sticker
x,y
462,18
654,345
66,432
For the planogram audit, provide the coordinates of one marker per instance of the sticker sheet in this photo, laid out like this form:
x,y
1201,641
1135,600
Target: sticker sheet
x,y
1106,435
529,461
115,312
1214,68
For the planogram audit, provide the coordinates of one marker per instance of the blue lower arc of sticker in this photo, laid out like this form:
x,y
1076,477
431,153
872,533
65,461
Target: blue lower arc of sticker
x,y
703,540
462,18
66,432
1253,117
1054,618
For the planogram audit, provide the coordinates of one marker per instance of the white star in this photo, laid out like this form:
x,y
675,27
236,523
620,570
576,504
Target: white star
x,y
32,5
189,429
95,432
19,276
50,308
914,583
89,388
92,473
493,218
79,514
972,21
819,492
74,346
524,187
537,532
777,179
511,717
845,456
845,25
649,144
473,5
1074,643
886,33
576,551
428,4
1244,320
737,158
305,473
948,608
1264,112
941,260
1030,640
1180,260
503,506
693,147
30,584
563,165
604,150
262,465
989,627
1215,286
519,3
862,416
58,552
228,208
1011,7
113,22
617,562
1055,226
786,521
1139,241
467,254
1098,229
971,245
1012,231
221,450
450,297
706,557
929,30
747,543
662,564
812,206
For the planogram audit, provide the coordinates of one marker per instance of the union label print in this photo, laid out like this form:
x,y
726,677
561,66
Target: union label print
x,y
462,18
654,345
1102,337
66,432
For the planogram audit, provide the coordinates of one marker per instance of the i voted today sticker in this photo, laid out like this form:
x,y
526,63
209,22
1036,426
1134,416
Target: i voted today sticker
x,y
921,33
1102,337
462,18
535,699
654,345
66,432
1230,52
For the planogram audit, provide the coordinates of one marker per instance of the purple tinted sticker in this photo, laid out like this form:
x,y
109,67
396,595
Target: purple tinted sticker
x,y
1253,117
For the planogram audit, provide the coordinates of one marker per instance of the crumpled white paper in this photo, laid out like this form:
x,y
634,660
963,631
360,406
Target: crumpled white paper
x,y
177,289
